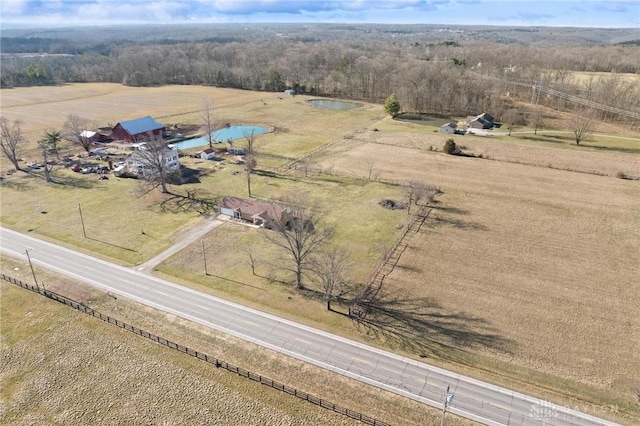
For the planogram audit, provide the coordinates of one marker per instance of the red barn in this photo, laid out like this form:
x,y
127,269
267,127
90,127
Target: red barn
x,y
137,130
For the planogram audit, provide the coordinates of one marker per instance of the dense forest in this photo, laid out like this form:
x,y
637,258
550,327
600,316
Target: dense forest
x,y
435,69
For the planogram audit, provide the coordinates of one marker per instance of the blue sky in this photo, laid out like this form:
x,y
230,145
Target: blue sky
x,y
578,13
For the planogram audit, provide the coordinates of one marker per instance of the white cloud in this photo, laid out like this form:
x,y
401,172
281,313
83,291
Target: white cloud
x,y
9,8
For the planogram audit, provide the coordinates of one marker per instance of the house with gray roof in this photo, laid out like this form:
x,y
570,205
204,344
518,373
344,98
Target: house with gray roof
x,y
448,128
482,121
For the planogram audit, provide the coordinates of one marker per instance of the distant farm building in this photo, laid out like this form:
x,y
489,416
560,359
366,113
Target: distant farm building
x,y
482,121
290,92
259,213
448,128
139,129
235,151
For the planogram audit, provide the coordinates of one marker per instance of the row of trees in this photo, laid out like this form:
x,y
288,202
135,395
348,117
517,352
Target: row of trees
x,y
12,140
448,78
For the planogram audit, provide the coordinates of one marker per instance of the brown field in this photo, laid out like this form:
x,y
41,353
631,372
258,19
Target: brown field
x,y
550,259
583,77
533,251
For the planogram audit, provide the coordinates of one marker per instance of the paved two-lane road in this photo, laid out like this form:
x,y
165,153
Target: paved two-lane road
x,y
473,399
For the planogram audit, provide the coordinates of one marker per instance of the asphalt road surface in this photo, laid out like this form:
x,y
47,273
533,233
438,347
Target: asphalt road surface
x,y
470,398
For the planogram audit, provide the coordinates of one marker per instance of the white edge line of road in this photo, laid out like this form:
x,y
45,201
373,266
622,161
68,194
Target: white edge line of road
x,y
453,376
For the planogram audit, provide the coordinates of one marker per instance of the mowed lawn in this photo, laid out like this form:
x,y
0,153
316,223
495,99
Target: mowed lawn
x,y
549,260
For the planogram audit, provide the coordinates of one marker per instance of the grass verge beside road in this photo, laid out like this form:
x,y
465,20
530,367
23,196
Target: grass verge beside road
x,y
62,366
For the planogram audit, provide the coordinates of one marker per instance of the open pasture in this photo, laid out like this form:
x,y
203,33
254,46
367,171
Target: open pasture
x,y
299,126
549,259
582,78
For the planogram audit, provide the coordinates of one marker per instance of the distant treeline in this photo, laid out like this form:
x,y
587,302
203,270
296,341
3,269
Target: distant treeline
x,y
445,70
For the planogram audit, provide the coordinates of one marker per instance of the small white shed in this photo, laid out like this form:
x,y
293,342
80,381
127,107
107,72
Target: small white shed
x,y
208,154
448,128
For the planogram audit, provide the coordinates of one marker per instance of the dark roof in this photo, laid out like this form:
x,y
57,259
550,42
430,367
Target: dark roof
x,y
484,119
140,125
208,151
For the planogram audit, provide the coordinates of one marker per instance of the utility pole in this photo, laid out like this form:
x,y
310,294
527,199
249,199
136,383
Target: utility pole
x,y
84,232
204,257
32,271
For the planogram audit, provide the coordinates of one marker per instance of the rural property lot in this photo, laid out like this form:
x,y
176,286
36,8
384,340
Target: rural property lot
x,y
527,267
549,258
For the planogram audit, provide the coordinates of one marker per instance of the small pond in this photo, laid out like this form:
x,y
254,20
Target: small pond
x,y
331,104
222,135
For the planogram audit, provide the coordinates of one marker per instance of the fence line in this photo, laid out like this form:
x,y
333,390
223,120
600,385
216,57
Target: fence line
x,y
196,354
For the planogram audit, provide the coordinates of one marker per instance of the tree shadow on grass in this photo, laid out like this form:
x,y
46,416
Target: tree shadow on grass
x,y
189,175
415,324
176,203
460,224
276,175
236,282
14,184
453,210
112,245
76,182
409,268
547,138
611,148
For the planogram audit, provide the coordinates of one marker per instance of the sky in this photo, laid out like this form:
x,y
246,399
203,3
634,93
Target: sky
x,y
573,13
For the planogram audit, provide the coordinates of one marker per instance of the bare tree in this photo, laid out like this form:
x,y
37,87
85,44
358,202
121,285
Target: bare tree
x,y
250,251
373,174
304,234
511,118
45,149
209,122
535,120
73,131
156,163
332,269
250,161
416,191
11,140
581,125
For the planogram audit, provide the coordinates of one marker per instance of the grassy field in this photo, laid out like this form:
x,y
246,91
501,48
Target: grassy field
x,y
581,78
527,266
63,367
546,259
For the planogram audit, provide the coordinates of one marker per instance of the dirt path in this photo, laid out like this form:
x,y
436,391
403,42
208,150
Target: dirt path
x,y
195,234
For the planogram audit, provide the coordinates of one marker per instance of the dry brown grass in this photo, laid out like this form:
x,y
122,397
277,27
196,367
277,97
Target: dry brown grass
x,y
63,367
549,258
